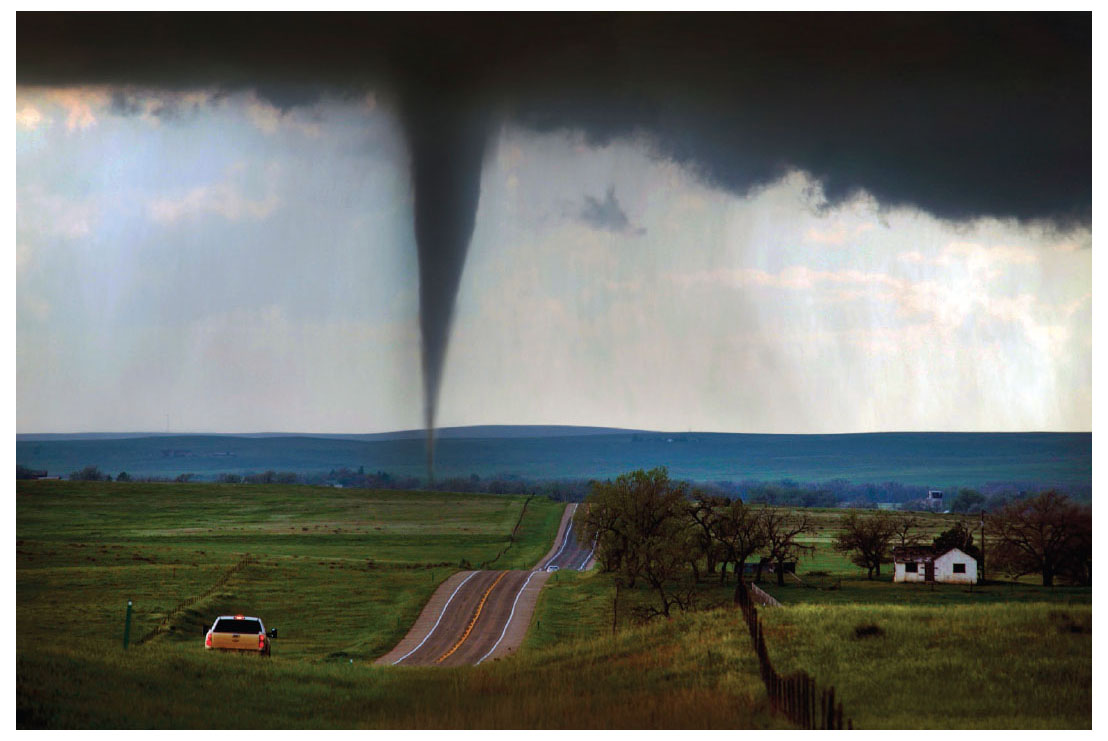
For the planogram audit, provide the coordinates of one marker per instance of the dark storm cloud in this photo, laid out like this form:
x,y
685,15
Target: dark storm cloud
x,y
961,115
607,214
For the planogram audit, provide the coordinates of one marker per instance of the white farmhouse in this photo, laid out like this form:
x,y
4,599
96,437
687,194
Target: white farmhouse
x,y
922,563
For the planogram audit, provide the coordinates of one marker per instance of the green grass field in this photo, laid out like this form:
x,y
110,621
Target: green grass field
x,y
361,562
693,672
343,573
950,666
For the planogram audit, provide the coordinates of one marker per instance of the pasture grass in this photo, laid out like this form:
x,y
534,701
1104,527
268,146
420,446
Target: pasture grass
x,y
848,591
343,573
950,666
361,563
696,671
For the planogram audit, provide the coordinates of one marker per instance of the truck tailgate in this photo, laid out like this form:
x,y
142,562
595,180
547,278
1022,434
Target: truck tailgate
x,y
243,642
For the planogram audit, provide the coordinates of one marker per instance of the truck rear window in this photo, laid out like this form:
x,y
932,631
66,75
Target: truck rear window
x,y
237,626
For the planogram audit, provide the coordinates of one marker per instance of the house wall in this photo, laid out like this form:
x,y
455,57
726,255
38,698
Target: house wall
x,y
901,574
944,568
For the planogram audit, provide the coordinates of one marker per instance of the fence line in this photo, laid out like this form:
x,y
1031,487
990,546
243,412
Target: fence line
x,y
796,695
512,536
762,597
163,627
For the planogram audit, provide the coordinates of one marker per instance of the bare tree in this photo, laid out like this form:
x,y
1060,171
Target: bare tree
x,y
782,528
1048,534
866,538
903,525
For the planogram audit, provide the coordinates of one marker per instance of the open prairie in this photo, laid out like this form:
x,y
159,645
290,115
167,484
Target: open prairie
x,y
343,574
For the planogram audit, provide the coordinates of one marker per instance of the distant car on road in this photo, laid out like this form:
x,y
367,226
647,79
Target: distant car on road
x,y
239,633
552,568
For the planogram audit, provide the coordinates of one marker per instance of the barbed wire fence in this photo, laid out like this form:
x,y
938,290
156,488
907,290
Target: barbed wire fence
x,y
796,696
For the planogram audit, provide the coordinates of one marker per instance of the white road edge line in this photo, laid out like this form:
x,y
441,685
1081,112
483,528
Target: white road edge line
x,y
511,615
475,573
582,566
565,540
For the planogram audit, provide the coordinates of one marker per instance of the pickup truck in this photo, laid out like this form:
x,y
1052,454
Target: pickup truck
x,y
239,633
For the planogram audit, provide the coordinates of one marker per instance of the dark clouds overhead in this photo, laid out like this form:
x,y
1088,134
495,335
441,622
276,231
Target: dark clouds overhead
x,y
961,115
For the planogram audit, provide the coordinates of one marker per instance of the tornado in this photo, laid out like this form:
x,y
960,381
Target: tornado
x,y
446,139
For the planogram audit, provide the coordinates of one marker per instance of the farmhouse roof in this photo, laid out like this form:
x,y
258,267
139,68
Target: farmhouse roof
x,y
914,553
903,553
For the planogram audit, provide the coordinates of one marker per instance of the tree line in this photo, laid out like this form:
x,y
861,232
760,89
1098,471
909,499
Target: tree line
x,y
654,531
783,493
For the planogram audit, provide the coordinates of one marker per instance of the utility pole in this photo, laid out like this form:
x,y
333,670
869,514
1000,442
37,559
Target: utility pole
x,y
981,570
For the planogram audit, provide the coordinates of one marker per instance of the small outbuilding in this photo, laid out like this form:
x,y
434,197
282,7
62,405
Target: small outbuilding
x,y
923,563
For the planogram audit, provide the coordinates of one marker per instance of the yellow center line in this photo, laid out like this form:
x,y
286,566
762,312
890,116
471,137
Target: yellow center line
x,y
472,622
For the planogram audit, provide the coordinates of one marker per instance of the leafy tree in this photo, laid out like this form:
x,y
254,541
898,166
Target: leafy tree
x,y
123,476
1048,534
958,536
968,500
737,530
704,510
781,528
640,524
866,538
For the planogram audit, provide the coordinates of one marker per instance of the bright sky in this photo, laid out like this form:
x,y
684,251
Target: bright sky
x,y
214,262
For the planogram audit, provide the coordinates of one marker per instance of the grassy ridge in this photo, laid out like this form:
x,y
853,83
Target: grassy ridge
x,y
694,672
942,663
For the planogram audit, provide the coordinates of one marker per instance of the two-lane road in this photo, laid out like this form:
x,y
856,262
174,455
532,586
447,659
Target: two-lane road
x,y
570,553
476,616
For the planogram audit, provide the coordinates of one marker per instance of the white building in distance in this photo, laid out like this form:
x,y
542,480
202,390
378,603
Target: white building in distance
x,y
921,563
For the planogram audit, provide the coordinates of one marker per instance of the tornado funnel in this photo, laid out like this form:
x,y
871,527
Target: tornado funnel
x,y
446,142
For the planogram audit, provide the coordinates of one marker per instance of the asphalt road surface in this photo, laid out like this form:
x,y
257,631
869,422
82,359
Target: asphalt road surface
x,y
570,553
476,616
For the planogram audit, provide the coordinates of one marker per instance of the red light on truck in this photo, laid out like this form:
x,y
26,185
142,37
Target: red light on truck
x,y
261,640
239,617
208,640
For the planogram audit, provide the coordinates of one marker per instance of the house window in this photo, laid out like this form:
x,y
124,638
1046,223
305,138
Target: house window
x,y
911,567
959,568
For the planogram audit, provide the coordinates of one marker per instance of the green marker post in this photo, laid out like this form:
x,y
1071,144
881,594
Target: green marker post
x,y
127,627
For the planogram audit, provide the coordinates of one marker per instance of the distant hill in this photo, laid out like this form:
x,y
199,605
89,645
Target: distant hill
x,y
481,431
934,459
